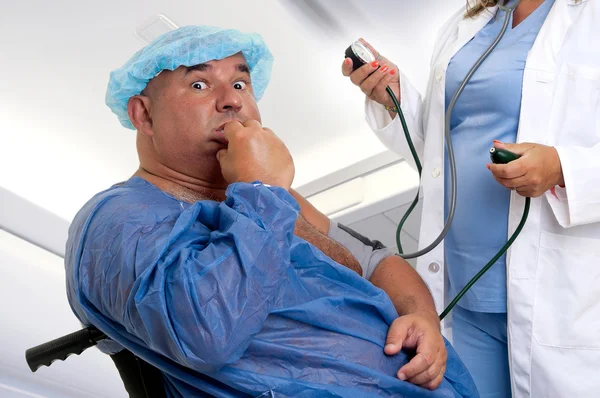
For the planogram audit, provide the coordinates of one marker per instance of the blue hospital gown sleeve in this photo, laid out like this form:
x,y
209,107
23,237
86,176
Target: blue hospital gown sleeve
x,y
194,287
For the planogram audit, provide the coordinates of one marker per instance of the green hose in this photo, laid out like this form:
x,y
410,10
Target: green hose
x,y
413,151
498,157
492,261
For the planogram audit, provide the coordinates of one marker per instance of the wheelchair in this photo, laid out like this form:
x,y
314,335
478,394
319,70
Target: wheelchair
x,y
141,380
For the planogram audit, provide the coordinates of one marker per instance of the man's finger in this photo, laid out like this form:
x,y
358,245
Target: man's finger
x,y
421,362
232,127
428,375
251,123
269,131
435,383
396,336
221,155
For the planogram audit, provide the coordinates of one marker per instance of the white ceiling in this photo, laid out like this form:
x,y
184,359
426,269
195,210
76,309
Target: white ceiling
x,y
59,143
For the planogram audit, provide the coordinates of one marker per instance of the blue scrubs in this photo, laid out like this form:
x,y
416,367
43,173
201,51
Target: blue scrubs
x,y
226,290
489,109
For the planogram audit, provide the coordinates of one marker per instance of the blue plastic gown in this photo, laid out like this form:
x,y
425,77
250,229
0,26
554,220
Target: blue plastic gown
x,y
227,301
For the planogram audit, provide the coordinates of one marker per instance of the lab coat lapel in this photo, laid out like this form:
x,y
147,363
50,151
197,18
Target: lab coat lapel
x,y
468,28
545,51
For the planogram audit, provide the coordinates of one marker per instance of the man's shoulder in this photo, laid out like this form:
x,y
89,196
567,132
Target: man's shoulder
x,y
132,203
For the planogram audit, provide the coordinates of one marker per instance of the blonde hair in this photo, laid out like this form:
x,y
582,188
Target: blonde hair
x,y
479,7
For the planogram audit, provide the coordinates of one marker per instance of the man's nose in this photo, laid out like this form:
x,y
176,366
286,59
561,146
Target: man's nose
x,y
229,99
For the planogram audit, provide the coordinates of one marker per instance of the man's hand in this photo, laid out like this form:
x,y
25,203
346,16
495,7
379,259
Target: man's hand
x,y
420,333
536,171
255,153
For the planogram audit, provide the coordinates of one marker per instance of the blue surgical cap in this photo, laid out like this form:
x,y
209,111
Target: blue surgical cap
x,y
186,46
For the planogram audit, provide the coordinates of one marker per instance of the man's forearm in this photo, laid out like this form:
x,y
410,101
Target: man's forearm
x,y
331,248
405,287
393,275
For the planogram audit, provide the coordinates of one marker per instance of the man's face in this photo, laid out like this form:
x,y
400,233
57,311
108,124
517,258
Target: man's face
x,y
189,107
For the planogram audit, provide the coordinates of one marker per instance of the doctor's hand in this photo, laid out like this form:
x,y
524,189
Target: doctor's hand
x,y
419,333
373,78
536,171
253,154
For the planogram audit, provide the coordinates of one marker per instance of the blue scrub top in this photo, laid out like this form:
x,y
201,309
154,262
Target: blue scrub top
x,y
226,290
488,109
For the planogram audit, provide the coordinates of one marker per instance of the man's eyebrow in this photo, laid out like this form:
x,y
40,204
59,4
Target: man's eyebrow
x,y
199,68
243,68
204,67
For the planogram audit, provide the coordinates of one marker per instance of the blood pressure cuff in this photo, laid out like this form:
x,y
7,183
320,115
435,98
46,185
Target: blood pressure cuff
x,y
367,252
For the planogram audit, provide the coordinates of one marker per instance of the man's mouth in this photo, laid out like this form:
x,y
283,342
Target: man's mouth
x,y
220,135
221,138
222,125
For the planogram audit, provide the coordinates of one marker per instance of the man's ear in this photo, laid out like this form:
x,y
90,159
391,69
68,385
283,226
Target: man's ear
x,y
138,109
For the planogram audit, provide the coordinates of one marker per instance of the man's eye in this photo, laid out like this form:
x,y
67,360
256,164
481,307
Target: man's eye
x,y
239,85
199,85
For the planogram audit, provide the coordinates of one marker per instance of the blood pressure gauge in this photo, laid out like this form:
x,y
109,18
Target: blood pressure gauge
x,y
360,54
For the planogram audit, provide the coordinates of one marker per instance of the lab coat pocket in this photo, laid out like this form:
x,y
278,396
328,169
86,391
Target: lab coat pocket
x,y
577,106
567,298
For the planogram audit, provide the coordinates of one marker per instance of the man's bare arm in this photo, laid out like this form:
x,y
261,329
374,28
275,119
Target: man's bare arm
x,y
405,288
330,247
319,220
313,226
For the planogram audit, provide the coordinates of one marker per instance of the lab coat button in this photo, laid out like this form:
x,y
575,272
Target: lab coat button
x,y
439,75
434,268
436,172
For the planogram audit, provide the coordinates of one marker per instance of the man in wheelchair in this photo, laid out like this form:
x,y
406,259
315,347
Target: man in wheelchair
x,y
207,266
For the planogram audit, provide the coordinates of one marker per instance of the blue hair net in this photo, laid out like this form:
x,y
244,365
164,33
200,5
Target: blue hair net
x,y
186,46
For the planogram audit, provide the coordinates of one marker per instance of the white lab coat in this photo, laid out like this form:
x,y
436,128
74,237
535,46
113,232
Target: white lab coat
x,y
553,268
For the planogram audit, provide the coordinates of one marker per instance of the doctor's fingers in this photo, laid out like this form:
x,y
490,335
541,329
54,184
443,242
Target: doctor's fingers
x,y
527,186
358,76
382,60
513,183
527,191
374,86
347,67
515,169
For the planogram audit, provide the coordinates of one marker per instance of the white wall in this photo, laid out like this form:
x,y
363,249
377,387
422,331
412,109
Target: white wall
x,y
59,144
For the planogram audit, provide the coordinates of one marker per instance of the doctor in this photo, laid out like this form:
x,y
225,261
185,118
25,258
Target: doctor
x,y
531,325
